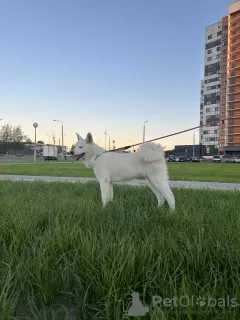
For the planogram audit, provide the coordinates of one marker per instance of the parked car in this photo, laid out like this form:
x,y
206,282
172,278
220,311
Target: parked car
x,y
171,159
195,159
182,159
217,158
233,160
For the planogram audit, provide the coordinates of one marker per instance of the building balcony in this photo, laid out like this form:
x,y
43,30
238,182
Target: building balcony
x,y
235,92
231,53
231,101
234,68
232,109
234,125
233,134
233,76
232,27
231,44
234,35
233,20
233,60
234,84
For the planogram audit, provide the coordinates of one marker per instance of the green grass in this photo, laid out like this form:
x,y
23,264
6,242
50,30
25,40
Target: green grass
x,y
219,172
61,252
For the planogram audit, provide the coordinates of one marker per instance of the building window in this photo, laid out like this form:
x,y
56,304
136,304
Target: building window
x,y
223,83
217,109
223,106
232,98
224,59
223,75
224,36
231,106
233,49
217,101
224,51
231,114
233,65
209,51
224,67
209,37
223,98
231,122
209,59
217,93
218,48
222,114
219,33
233,57
225,27
225,43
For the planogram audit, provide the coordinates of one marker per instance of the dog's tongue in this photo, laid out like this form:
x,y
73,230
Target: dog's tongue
x,y
78,157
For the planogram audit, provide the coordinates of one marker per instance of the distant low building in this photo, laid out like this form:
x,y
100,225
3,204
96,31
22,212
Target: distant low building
x,y
190,151
26,148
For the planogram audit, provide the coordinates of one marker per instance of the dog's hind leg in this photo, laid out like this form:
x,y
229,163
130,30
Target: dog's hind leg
x,y
106,191
111,192
160,198
163,188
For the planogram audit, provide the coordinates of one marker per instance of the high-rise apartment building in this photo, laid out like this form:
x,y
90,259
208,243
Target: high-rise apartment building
x,y
220,89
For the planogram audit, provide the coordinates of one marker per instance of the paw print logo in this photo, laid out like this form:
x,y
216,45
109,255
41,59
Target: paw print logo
x,y
201,301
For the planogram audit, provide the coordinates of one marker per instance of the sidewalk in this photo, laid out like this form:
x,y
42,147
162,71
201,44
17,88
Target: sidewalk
x,y
135,182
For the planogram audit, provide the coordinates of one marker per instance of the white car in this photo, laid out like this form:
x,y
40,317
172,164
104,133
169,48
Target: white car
x,y
233,160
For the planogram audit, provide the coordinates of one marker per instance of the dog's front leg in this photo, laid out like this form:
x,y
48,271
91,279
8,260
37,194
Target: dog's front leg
x,y
105,187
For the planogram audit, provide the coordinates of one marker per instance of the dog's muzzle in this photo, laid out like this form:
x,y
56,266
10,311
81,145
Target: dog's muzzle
x,y
78,156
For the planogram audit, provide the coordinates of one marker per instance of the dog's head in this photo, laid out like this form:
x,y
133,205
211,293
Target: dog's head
x,y
84,148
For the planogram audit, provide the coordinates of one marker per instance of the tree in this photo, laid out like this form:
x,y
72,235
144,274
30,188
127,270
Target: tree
x,y
10,134
40,141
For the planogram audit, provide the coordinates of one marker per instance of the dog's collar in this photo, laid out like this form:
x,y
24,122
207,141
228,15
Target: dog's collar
x,y
94,157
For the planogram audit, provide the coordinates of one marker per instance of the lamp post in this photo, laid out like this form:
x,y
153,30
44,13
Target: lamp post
x,y
108,140
194,142
144,130
35,125
62,136
132,143
48,138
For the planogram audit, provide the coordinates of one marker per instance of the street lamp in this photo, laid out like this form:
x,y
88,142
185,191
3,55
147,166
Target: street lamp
x,y
62,136
108,140
48,138
132,143
144,130
194,142
35,125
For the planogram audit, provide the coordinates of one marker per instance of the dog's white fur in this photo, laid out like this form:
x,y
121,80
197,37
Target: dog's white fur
x,y
112,167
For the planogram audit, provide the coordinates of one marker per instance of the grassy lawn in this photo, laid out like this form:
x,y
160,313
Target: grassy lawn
x,y
223,172
62,253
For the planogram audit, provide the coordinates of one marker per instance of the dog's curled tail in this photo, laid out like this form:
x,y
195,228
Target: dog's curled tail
x,y
152,152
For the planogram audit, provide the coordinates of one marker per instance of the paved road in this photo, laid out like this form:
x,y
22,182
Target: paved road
x,y
135,182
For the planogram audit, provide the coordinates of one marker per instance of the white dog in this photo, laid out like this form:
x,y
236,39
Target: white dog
x,y
110,167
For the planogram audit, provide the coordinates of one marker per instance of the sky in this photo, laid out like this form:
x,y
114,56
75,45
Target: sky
x,y
104,65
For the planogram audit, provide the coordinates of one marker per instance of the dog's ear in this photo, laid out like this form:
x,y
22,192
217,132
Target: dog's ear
x,y
89,138
79,137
